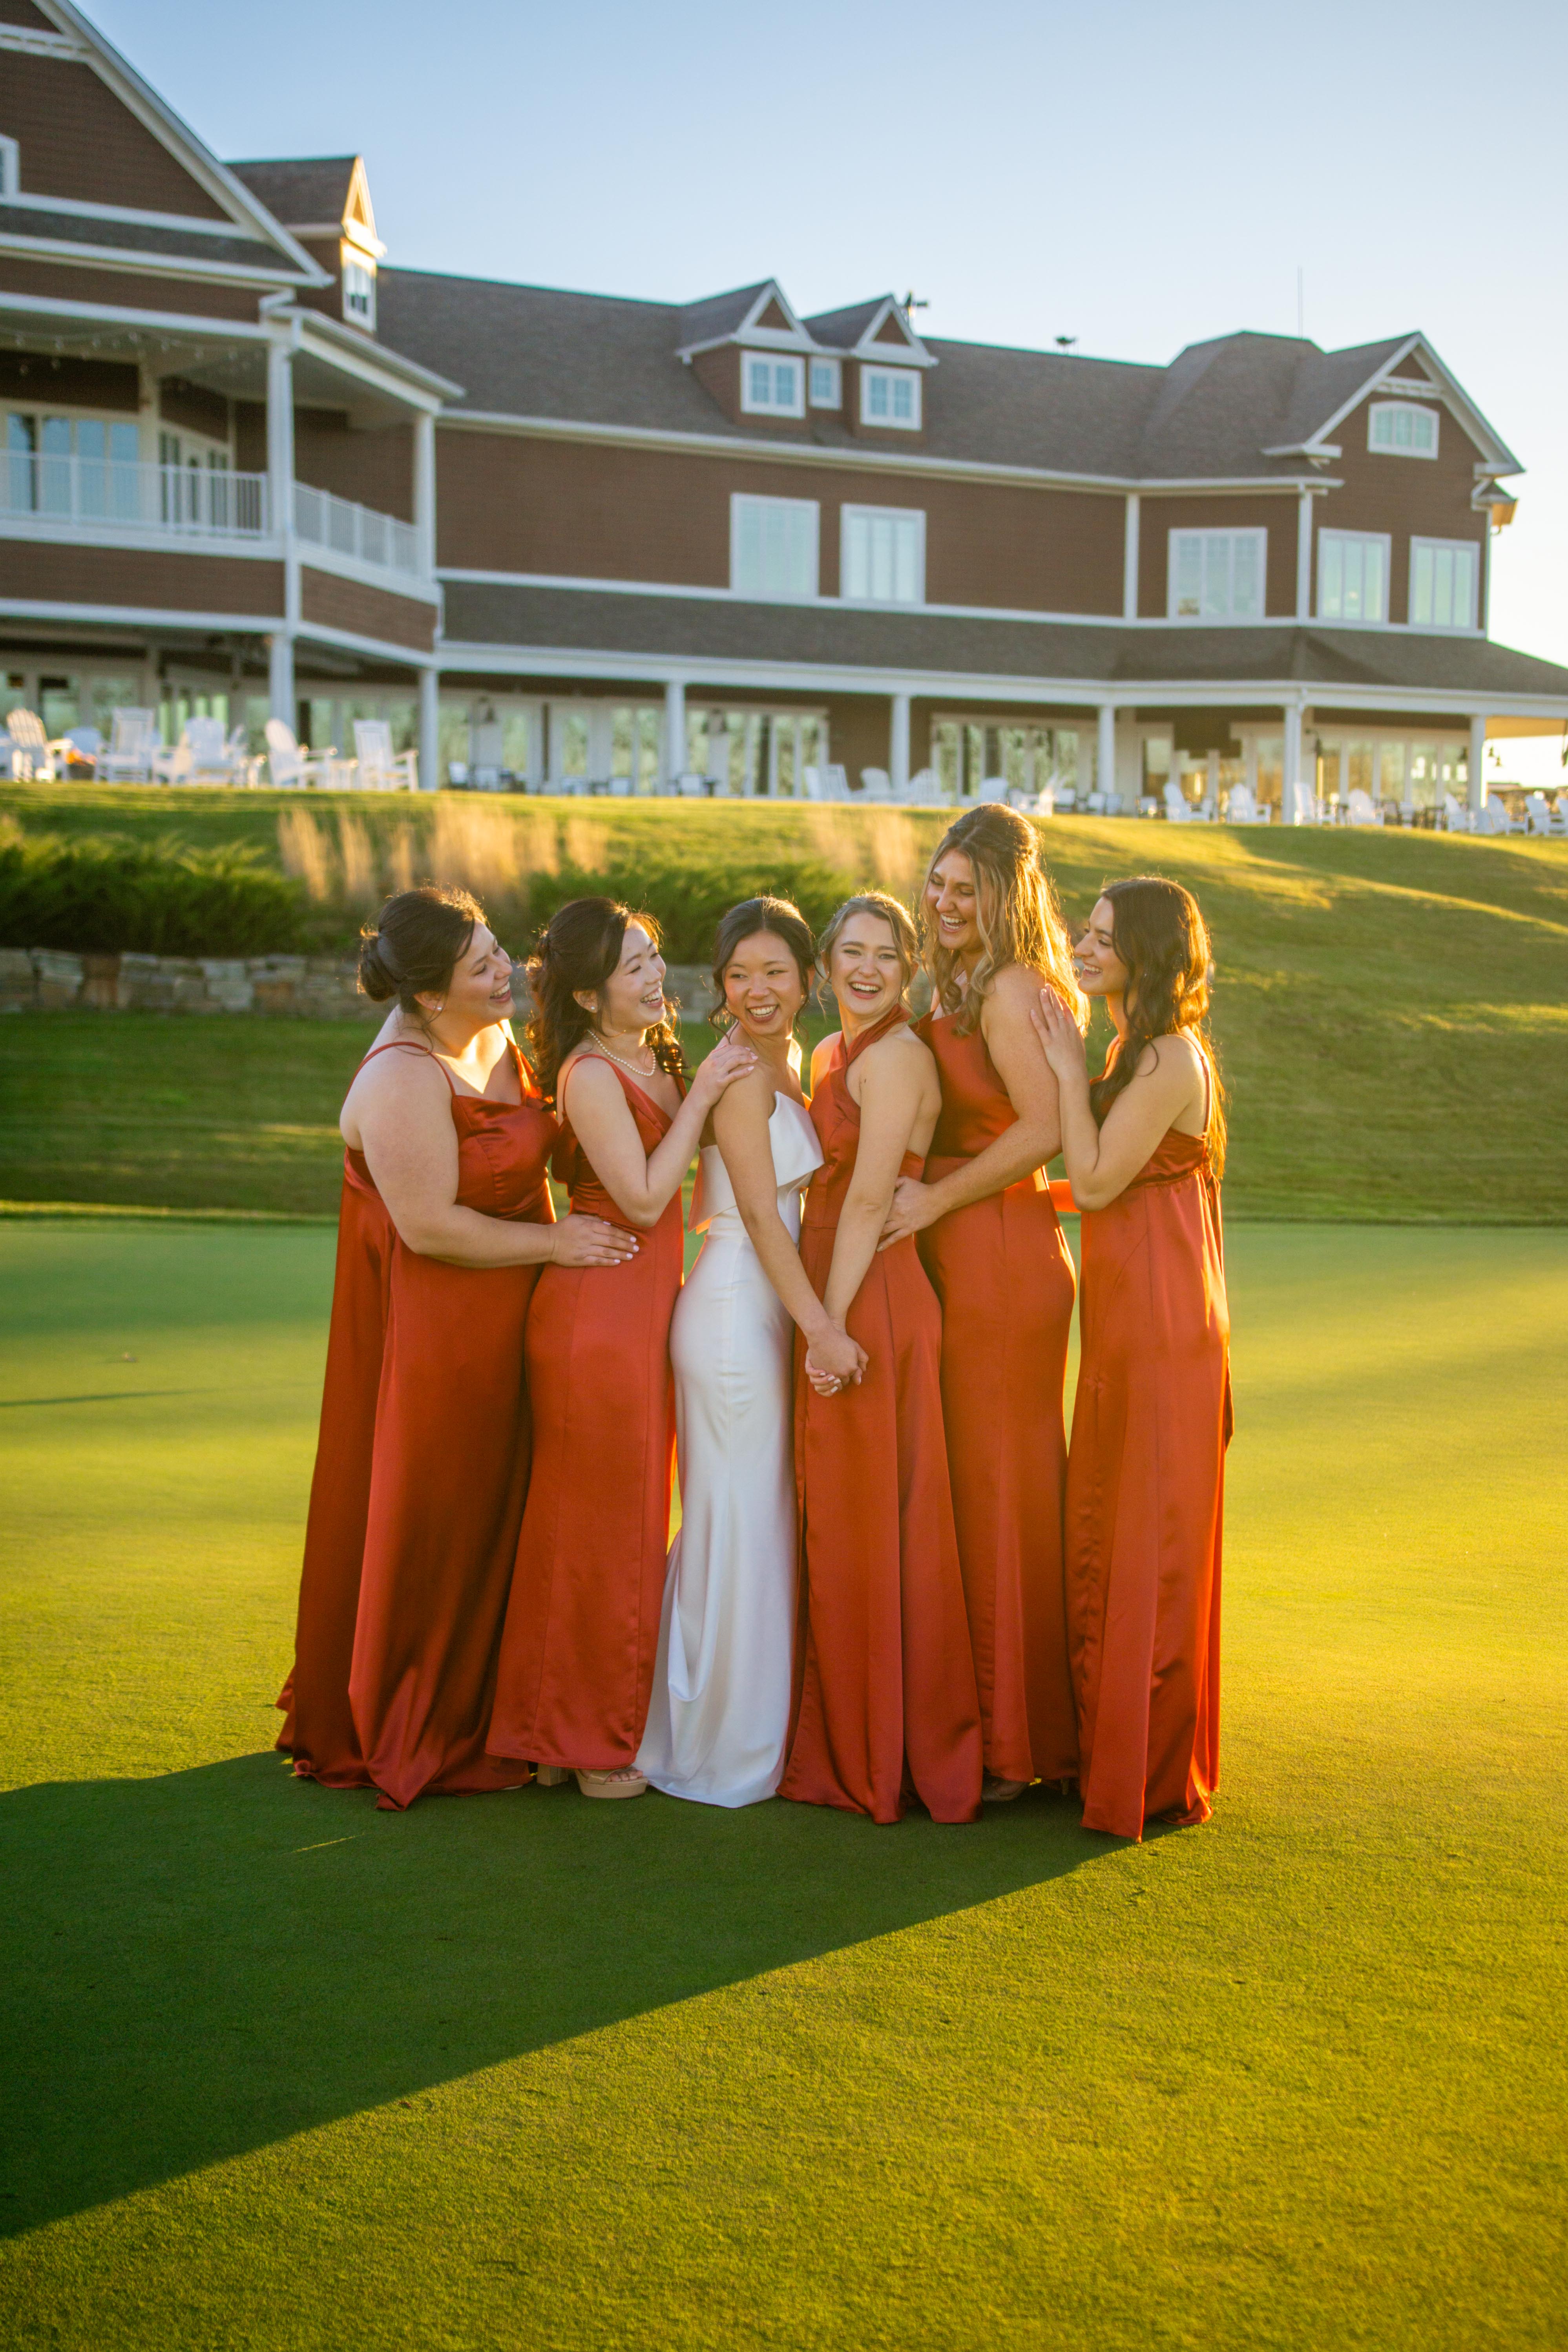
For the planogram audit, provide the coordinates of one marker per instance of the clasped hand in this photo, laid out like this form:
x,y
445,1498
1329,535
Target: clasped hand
x,y
834,1362
911,1211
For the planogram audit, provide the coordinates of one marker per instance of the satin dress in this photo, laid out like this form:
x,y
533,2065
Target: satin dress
x,y
719,1717
576,1661
1145,1496
1004,1277
420,1474
886,1707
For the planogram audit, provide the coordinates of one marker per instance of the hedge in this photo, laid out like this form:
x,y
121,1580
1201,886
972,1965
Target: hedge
x,y
108,894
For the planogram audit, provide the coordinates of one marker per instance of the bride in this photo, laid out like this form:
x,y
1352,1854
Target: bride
x,y
718,1717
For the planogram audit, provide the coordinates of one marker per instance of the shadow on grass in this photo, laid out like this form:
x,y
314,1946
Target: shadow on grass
x,y
204,1963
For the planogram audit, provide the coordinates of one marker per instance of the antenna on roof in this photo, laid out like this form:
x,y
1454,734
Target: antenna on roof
x,y
915,303
1066,342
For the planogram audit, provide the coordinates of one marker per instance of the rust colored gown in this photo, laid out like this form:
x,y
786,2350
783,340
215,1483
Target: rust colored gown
x,y
1003,1275
420,1472
582,1627
885,1705
1145,1496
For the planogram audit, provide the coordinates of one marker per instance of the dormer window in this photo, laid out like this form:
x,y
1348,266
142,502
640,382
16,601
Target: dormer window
x,y
359,288
826,390
772,387
890,396
1399,428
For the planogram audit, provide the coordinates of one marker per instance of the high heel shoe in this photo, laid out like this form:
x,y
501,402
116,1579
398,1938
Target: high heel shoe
x,y
627,1782
552,1776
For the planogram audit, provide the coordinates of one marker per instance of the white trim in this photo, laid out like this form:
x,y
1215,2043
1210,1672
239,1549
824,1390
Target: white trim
x,y
835,370
345,349
135,263
1475,550
1258,534
1446,388
134,215
1303,558
37,531
772,361
744,506
315,557
10,172
1129,535
1377,408
1359,538
190,324
870,456
870,370
27,41
849,514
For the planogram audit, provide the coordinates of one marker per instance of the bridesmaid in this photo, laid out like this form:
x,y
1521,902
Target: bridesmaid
x,y
576,1661
990,1243
885,1697
417,1495
1145,1148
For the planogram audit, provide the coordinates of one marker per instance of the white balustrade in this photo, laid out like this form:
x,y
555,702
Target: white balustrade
x,y
103,494
325,520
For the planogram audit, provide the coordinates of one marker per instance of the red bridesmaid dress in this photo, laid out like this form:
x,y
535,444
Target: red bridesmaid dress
x,y
1002,1272
420,1474
1145,1496
885,1705
582,1627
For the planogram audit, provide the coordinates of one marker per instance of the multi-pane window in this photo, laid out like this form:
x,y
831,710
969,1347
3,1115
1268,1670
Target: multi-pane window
x,y
359,289
1217,575
1443,576
890,396
882,555
772,546
824,385
70,466
772,387
1352,575
1401,428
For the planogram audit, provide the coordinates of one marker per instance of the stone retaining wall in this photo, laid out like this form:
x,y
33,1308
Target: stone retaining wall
x,y
45,980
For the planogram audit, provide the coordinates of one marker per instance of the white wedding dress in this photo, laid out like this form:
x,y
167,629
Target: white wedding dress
x,y
719,1715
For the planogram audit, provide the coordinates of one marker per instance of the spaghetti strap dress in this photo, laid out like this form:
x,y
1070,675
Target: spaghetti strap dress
x,y
885,1703
582,1627
1145,1494
1004,1279
420,1474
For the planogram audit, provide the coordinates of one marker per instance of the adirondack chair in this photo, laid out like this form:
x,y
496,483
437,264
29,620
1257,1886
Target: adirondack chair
x,y
829,784
1362,809
1455,818
992,788
925,789
1178,808
876,784
1494,819
383,769
32,753
291,762
1538,814
205,753
1243,807
133,741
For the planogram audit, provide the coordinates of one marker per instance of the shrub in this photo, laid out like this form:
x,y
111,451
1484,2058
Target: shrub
x,y
108,894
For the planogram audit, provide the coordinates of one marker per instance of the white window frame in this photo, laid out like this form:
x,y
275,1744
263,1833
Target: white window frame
x,y
353,258
1256,532
1362,539
848,517
10,169
831,395
1399,408
774,362
1437,547
746,510
890,375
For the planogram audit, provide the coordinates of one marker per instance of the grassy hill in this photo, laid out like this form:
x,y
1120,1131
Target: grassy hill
x,y
1391,1009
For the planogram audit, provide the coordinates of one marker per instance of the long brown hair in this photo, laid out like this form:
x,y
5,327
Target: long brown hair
x,y
415,945
577,950
1160,935
1016,912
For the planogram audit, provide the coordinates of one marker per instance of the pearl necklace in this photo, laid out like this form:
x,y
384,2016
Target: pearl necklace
x,y
635,1068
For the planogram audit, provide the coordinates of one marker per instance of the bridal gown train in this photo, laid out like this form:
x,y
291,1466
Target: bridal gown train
x,y
718,1717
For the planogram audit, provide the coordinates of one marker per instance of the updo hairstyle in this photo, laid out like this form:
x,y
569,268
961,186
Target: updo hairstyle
x,y
577,950
416,945
749,921
887,910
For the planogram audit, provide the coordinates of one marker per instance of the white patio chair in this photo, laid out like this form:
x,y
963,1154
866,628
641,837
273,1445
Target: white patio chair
x,y
1452,816
32,753
828,783
1243,807
992,788
1360,808
205,753
383,769
1560,813
1178,807
925,789
876,784
132,740
1538,814
291,764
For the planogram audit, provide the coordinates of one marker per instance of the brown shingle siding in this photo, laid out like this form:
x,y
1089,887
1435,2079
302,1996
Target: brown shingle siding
x,y
1421,498
126,289
77,140
130,576
334,603
1159,517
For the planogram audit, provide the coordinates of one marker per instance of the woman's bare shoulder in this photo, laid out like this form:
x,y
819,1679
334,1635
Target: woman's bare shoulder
x,y
901,1050
822,1053
1015,989
1175,1054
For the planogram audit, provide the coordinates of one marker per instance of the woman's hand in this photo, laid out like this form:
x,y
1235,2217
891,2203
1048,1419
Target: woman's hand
x,y
590,1241
834,1362
912,1212
733,1057
1059,1035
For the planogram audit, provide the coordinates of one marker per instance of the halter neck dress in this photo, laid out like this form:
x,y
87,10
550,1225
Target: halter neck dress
x,y
420,1474
582,1627
885,1706
1004,1279
1145,1494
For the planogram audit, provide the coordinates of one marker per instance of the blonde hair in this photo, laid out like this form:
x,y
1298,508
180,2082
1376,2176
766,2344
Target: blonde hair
x,y
886,910
1015,913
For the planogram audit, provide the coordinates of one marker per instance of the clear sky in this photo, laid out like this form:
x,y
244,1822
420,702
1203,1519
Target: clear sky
x,y
1136,173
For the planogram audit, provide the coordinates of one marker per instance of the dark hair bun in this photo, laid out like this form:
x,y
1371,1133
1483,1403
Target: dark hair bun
x,y
374,975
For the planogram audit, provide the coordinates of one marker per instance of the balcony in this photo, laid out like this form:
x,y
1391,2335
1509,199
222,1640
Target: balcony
x,y
322,520
89,498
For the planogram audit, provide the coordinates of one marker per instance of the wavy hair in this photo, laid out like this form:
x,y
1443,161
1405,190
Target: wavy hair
x,y
1160,935
751,919
577,950
1015,913
887,910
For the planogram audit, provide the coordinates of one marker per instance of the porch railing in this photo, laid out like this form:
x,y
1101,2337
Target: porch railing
x,y
326,521
199,501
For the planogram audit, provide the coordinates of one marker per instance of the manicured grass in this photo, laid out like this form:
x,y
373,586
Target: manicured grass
x,y
289,2073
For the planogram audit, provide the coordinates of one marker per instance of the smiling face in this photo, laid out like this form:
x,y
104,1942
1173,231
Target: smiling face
x,y
1101,971
762,987
865,969
632,998
953,905
479,991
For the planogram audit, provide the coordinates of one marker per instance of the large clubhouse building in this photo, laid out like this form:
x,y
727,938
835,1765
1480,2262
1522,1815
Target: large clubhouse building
x,y
560,538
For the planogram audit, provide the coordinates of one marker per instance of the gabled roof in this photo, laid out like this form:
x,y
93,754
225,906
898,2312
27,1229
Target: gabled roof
x,y
863,328
301,191
759,312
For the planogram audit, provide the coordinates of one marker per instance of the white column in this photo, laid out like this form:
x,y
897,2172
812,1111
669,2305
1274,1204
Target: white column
x,y
425,490
429,729
281,500
1477,764
1130,559
1294,812
898,747
674,728
1304,556
1105,749
1342,773
1211,784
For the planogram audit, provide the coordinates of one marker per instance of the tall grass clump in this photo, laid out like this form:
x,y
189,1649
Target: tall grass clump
x,y
107,894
